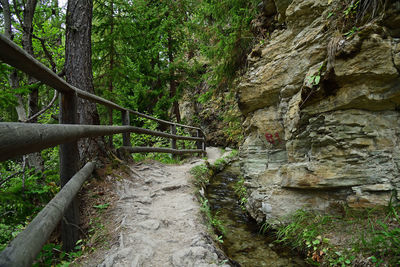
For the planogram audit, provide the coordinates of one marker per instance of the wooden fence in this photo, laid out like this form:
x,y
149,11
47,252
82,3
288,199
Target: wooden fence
x,y
17,139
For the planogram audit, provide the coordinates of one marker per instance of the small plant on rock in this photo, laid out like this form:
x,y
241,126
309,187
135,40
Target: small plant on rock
x,y
201,175
213,220
241,192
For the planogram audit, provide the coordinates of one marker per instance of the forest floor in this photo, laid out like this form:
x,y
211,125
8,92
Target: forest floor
x,y
155,219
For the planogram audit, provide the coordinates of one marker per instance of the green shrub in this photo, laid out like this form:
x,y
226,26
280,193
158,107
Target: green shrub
x,y
241,192
201,175
372,234
212,219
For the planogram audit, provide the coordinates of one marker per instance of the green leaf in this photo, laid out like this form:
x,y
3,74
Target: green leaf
x,y
316,242
101,206
317,79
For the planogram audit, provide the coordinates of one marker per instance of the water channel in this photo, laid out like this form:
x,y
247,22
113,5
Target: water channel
x,y
242,241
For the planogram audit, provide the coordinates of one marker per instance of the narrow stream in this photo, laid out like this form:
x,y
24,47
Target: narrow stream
x,y
242,241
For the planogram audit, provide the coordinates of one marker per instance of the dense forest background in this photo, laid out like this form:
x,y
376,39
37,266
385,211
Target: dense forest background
x,y
145,56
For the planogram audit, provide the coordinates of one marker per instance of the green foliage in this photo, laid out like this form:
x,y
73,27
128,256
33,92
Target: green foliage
x,y
155,141
139,51
351,32
7,96
316,78
21,199
305,232
382,237
223,28
303,229
102,206
203,172
163,158
219,164
186,144
351,9
201,175
234,153
212,219
8,232
241,192
372,233
147,140
204,98
234,129
48,26
52,255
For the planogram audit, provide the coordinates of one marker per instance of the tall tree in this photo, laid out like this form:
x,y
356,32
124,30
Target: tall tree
x,y
26,22
105,31
13,77
139,51
78,68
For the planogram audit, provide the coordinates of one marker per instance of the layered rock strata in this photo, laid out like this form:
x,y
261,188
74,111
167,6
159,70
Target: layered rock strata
x,y
322,112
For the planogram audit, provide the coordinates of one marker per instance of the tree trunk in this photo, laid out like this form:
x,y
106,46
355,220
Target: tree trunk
x,y
172,82
111,76
29,11
78,68
13,78
35,159
7,19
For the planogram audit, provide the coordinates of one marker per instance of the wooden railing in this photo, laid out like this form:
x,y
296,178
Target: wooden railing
x,y
17,139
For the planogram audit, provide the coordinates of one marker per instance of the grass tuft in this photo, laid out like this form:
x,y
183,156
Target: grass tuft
x,y
357,237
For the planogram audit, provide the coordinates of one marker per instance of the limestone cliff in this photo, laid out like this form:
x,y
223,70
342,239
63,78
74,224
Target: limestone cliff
x,y
321,100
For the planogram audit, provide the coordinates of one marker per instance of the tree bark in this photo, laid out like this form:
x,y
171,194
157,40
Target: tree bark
x,y
29,11
35,159
172,82
78,68
13,78
111,76
7,19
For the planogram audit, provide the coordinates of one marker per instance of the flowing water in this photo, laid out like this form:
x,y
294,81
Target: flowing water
x,y
242,241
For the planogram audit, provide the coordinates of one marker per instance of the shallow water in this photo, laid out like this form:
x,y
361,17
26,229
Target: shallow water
x,y
242,241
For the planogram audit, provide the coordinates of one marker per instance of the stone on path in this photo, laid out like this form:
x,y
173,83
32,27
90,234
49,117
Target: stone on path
x,y
160,220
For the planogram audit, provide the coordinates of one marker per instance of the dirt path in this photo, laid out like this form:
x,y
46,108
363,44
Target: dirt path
x,y
159,220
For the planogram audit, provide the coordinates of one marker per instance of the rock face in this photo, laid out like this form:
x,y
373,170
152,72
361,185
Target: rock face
x,y
322,123
220,117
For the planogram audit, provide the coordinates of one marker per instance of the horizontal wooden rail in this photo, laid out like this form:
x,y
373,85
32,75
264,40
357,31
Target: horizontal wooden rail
x,y
17,139
21,138
162,121
15,56
160,150
23,249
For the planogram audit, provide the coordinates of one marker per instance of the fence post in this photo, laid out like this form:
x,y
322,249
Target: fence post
x,y
110,122
69,165
173,141
126,137
199,144
204,146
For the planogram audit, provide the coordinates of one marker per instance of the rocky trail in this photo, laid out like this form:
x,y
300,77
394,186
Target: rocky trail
x,y
159,220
